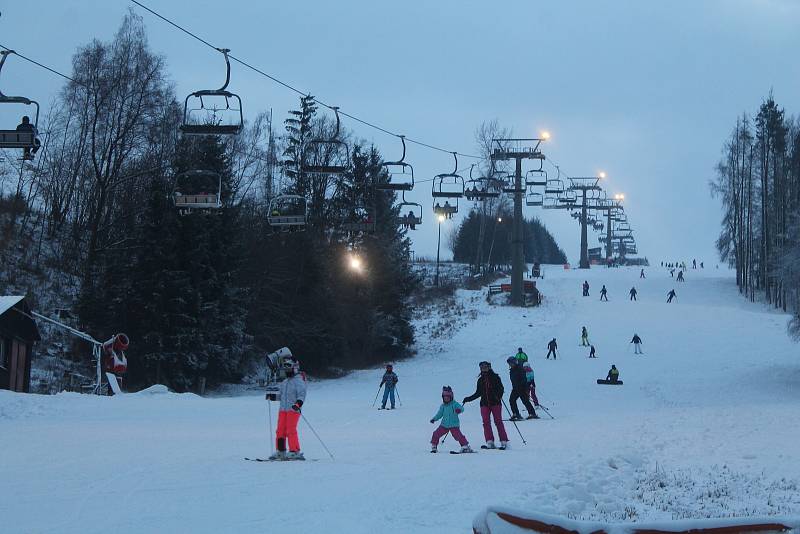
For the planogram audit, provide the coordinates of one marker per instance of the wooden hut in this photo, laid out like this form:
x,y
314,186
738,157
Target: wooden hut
x,y
18,333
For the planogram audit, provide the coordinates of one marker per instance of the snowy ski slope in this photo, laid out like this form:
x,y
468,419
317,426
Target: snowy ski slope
x,y
705,425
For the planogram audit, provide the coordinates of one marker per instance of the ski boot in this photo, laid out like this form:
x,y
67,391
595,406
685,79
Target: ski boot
x,y
295,455
489,445
278,455
516,417
503,445
434,448
466,448
532,416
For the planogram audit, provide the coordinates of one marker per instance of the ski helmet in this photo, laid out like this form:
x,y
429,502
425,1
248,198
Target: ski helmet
x,y
485,364
519,349
447,392
512,360
291,365
389,367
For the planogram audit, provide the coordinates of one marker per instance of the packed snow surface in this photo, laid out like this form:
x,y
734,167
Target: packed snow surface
x,y
706,425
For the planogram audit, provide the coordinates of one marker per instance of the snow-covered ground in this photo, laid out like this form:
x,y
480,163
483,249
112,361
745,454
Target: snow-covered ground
x,y
706,425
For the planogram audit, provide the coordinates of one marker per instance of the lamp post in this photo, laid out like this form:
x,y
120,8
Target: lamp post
x,y
440,218
491,247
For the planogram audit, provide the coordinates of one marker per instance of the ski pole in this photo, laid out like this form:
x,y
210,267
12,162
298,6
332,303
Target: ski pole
x,y
271,446
376,395
546,411
397,392
317,435
513,422
444,438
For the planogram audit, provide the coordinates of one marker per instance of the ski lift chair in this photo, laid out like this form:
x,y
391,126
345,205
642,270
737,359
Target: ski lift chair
x,y
448,185
24,139
361,220
331,156
550,202
446,209
534,199
568,197
537,177
554,186
413,217
197,190
288,212
204,119
400,174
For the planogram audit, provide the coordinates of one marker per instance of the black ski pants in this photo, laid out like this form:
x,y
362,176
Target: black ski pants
x,y
523,396
553,352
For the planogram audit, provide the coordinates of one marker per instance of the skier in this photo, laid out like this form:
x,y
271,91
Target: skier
x,y
292,396
604,293
389,381
584,337
694,264
448,413
641,274
531,378
702,266
490,390
521,356
613,374
671,295
591,352
633,293
519,390
672,273
551,348
585,288
637,344
680,276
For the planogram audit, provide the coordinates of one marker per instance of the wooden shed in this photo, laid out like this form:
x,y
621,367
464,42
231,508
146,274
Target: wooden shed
x,y
18,333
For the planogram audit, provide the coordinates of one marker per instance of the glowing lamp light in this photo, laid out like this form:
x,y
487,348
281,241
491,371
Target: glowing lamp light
x,y
602,174
545,135
441,218
355,263
499,219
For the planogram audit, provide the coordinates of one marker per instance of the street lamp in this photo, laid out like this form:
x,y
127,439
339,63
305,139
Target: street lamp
x,y
441,219
545,135
602,175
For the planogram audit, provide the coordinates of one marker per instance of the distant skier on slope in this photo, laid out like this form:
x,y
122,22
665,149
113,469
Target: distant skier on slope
x,y
604,293
552,347
521,356
671,295
633,293
389,381
490,390
585,288
584,337
637,344
448,413
592,352
292,395
641,274
519,390
680,276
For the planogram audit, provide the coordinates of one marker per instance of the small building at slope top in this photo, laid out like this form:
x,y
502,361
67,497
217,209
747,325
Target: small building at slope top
x,y
18,333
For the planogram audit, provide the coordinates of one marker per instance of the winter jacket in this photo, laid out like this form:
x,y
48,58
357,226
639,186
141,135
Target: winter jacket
x,y
489,388
448,413
518,380
390,379
584,332
521,357
529,376
636,339
292,390
552,345
613,375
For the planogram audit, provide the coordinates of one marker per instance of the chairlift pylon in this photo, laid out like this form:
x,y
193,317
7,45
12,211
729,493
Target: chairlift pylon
x,y
331,155
400,173
25,135
207,122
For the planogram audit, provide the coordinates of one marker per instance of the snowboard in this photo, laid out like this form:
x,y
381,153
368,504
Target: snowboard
x,y
609,382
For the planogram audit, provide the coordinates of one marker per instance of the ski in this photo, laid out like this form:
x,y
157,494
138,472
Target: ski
x,y
459,452
277,460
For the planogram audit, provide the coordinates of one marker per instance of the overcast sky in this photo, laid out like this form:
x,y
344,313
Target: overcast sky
x,y
645,91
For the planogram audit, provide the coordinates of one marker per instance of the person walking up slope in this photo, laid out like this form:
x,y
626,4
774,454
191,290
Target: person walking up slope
x,y
519,391
292,396
584,337
637,344
552,347
490,390
448,413
389,381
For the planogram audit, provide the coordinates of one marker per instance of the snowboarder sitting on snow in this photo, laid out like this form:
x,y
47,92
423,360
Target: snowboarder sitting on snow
x,y
591,352
521,356
633,293
637,344
584,337
389,381
671,295
519,385
490,389
604,293
613,374
551,348
448,413
531,378
292,397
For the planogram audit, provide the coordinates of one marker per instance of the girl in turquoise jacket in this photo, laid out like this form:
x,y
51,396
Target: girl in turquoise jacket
x,y
448,413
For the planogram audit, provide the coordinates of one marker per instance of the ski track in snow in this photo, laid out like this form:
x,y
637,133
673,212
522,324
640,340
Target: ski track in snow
x,y
705,425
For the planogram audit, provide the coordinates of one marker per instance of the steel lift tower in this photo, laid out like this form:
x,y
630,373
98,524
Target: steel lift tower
x,y
585,185
517,150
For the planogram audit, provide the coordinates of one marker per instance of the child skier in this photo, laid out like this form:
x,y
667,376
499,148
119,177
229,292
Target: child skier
x,y
448,413
389,381
584,337
531,378
637,344
490,390
292,397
